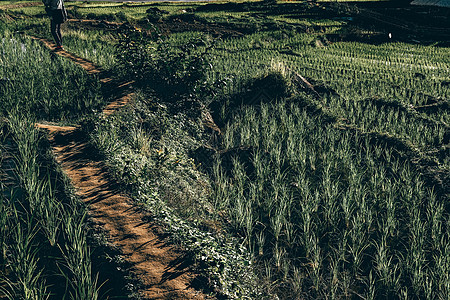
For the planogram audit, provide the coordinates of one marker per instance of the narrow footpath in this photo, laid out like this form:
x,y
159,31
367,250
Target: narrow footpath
x,y
156,264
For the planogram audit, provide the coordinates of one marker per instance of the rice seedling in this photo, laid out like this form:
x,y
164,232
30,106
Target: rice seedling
x,y
77,259
323,211
333,189
34,80
29,283
96,46
38,224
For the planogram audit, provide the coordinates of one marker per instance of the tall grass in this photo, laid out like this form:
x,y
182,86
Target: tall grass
x,y
330,209
97,46
43,84
44,237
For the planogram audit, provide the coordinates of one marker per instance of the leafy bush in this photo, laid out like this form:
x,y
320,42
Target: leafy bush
x,y
146,150
173,73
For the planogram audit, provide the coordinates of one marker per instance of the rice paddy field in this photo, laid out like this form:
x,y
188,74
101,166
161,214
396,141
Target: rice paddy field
x,y
294,150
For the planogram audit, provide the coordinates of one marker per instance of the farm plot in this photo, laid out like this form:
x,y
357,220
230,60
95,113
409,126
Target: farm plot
x,y
317,205
277,160
331,165
381,93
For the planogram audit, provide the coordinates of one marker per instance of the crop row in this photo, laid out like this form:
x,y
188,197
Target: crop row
x,y
43,232
352,89
328,211
96,46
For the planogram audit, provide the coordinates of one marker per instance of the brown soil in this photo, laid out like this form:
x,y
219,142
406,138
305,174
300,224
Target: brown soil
x,y
19,5
156,264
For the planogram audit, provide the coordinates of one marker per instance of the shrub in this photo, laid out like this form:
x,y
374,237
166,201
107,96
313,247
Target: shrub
x,y
173,73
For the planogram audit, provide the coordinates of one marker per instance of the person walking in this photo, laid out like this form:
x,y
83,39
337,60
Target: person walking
x,y
57,12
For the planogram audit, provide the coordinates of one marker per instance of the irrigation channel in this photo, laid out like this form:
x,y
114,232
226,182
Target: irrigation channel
x,y
157,265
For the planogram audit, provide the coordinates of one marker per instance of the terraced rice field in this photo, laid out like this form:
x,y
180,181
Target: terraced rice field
x,y
290,150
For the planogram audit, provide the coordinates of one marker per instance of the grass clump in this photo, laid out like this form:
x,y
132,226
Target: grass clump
x,y
45,85
45,234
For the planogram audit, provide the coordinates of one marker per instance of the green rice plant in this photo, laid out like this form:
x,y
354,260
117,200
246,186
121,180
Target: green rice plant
x,y
141,141
41,202
388,271
17,20
51,222
29,282
19,247
5,230
41,222
34,80
337,191
96,46
26,138
77,266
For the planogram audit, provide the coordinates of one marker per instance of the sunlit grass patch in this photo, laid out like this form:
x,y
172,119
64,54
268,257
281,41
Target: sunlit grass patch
x,y
97,46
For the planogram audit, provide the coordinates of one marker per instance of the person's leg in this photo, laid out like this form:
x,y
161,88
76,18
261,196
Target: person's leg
x,y
56,32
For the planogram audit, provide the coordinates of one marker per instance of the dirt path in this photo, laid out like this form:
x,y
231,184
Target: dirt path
x,y
121,91
157,265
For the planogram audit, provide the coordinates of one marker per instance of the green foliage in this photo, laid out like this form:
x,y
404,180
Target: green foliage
x,y
44,236
47,86
174,73
325,211
332,193
96,46
149,147
150,158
